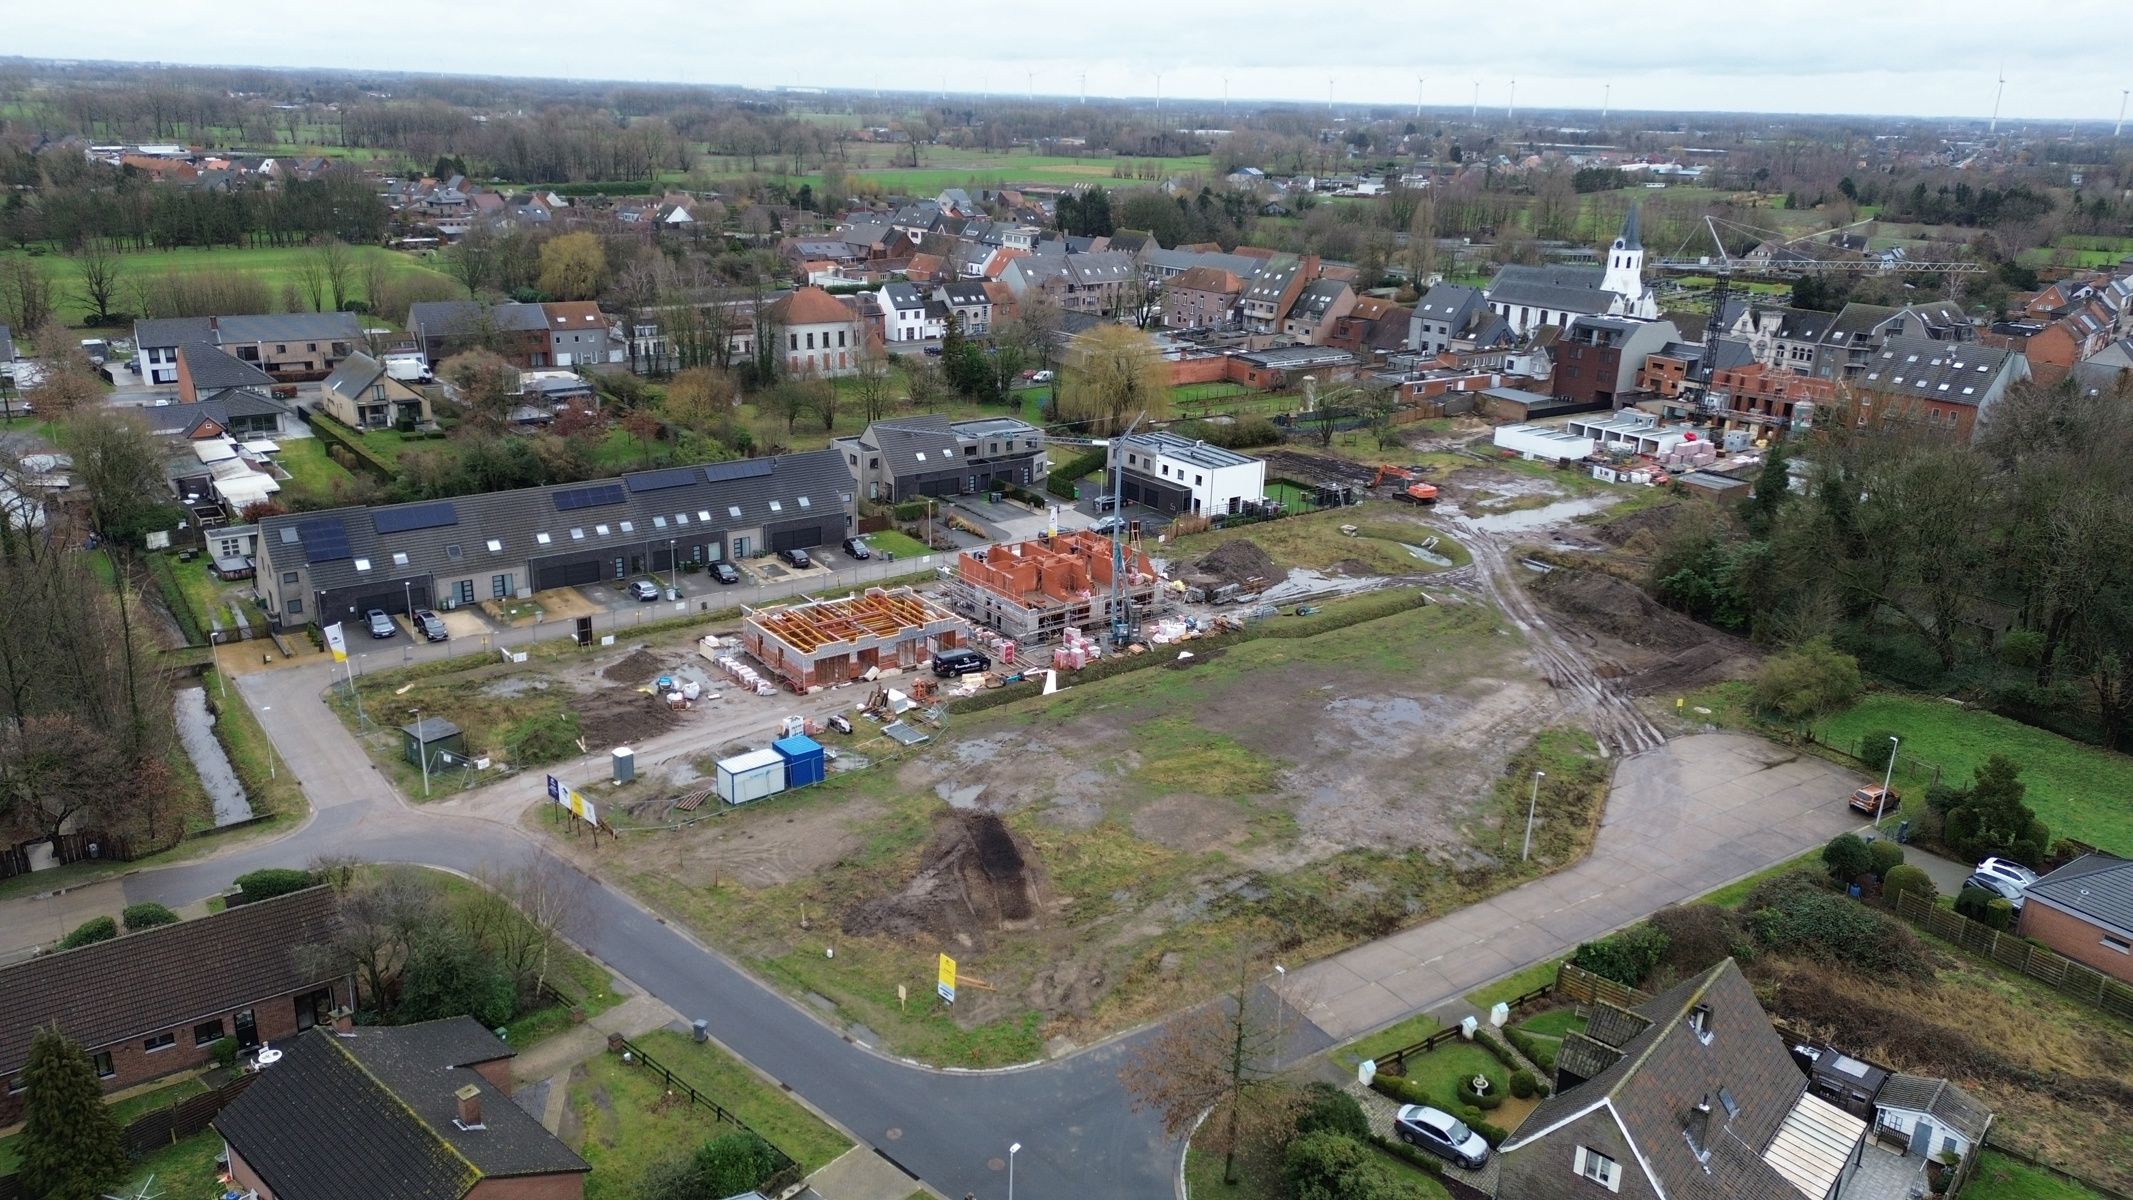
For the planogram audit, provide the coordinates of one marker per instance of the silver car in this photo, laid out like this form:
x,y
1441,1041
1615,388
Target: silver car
x,y
2009,871
1442,1134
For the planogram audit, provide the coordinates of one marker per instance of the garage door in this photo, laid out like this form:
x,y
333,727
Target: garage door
x,y
392,599
796,539
557,575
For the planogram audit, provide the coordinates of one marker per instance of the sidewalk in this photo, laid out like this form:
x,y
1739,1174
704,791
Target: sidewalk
x,y
860,1174
542,1073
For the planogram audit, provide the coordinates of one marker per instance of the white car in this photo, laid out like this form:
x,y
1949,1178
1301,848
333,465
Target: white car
x,y
2008,871
1042,377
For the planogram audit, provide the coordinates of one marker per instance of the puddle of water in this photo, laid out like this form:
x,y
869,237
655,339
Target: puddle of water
x,y
1542,517
1378,710
1426,555
196,731
965,798
513,685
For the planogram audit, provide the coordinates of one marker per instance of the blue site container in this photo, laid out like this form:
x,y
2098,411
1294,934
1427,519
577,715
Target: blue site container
x,y
803,759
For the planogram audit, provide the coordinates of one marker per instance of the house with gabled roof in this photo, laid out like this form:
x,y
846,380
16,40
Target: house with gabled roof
x,y
413,1112
2084,910
905,458
151,1003
1688,1096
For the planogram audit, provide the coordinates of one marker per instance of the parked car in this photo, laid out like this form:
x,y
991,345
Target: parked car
x,y
1107,524
725,572
381,626
1440,1133
1869,800
2009,870
947,664
796,557
644,590
2006,890
431,625
857,548
1042,377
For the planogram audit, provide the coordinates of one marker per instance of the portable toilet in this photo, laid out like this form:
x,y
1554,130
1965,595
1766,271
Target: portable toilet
x,y
751,776
803,759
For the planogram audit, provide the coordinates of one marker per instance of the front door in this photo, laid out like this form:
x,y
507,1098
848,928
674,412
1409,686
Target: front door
x,y
247,1030
1922,1137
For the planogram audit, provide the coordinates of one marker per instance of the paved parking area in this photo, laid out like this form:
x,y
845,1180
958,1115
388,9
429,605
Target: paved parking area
x,y
1688,817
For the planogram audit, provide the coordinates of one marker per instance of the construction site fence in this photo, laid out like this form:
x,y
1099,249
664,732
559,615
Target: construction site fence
x,y
2063,974
789,1172
1354,612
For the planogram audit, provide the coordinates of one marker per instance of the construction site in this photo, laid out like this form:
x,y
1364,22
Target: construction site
x,y
823,643
1033,592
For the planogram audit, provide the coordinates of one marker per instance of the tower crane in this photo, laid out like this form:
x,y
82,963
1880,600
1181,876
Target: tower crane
x,y
1121,599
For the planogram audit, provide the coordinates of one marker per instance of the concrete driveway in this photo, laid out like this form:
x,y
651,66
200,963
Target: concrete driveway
x,y
1683,819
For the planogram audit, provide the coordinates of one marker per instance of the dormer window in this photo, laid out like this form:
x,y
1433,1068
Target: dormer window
x,y
1700,1023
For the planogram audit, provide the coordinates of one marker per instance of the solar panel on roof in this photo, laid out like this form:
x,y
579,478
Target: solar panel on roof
x,y
745,468
324,540
411,517
659,481
590,497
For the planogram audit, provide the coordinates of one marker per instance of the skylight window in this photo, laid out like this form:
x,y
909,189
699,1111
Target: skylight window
x,y
601,530
735,510
776,507
362,564
657,523
495,547
399,558
542,538
627,527
577,535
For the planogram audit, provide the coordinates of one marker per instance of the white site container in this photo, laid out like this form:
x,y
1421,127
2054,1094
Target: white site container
x,y
750,776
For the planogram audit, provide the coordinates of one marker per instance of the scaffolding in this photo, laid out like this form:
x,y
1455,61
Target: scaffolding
x,y
825,642
1034,591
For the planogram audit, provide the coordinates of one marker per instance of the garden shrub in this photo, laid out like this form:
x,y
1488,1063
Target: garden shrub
x,y
1540,1051
1329,1109
1494,1135
1485,1101
448,975
147,916
1523,1084
269,882
1846,857
1411,1155
1885,856
1836,929
1908,878
1628,957
1875,748
1328,1166
1999,913
1697,935
549,738
1971,902
224,1051
90,932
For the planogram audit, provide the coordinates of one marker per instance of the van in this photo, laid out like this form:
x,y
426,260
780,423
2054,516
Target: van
x,y
947,664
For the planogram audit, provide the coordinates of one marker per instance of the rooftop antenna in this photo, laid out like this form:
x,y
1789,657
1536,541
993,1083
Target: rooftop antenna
x,y
1607,96
2001,90
1418,96
2122,94
1510,108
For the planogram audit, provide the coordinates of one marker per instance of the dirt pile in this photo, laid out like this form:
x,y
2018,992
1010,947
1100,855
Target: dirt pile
x,y
1618,609
1241,562
1643,532
638,667
620,718
972,879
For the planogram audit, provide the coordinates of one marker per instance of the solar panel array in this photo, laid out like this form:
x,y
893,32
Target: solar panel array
x,y
744,468
407,518
590,497
659,481
324,540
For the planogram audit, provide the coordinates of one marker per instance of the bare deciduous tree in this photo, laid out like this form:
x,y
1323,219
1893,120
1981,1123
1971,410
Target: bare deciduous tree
x,y
98,265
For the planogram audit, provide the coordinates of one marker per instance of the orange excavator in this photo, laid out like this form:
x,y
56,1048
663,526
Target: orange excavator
x,y
1419,493
1388,471
1416,491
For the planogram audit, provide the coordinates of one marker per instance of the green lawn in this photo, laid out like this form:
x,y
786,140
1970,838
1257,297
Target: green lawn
x,y
1555,1023
182,1171
2077,790
766,1107
272,266
1386,1040
1439,1072
902,545
1510,987
312,471
2002,1178
126,1111
163,1097
272,788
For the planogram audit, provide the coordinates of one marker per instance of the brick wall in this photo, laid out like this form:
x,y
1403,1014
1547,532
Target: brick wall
x,y
2074,938
1214,369
530,1187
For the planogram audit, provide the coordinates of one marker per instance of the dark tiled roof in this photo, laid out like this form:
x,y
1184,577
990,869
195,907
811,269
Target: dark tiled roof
x,y
171,331
1563,289
1611,1026
1953,1106
172,975
1951,372
2096,886
212,370
463,318
289,327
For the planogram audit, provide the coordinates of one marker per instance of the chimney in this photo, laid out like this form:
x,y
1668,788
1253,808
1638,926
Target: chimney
x,y
469,1107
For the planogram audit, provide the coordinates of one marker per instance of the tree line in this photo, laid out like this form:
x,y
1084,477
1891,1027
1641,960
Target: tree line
x,y
128,208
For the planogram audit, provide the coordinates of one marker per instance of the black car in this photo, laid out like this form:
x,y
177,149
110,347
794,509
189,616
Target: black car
x,y
796,557
381,626
960,661
431,625
857,548
725,572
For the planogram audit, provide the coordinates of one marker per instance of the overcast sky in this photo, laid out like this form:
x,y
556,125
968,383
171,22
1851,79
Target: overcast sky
x,y
2064,60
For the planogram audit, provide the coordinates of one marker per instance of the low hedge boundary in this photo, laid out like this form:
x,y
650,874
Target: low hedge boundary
x,y
329,430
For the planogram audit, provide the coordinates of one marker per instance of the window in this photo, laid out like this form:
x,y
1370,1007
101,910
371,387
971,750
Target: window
x,y
542,538
500,586
704,515
452,551
810,341
16,1085
296,607
577,535
160,1041
362,564
1725,1097
601,530
288,577
495,547
104,1069
399,558
1599,1168
626,526
776,506
795,340
734,510
2117,943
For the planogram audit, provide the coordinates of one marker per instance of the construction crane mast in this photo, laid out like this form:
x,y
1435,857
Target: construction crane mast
x,y
1121,599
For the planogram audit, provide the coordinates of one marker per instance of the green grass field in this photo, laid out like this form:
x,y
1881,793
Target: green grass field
x,y
2002,1178
941,167
272,266
2077,790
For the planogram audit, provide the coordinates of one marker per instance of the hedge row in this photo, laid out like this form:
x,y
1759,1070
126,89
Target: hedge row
x,y
1065,475
1355,612
190,623
333,433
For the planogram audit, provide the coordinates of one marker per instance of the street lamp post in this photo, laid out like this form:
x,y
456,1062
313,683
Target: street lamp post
x,y
422,751
673,567
1887,777
1531,805
407,592
1013,1148
1281,976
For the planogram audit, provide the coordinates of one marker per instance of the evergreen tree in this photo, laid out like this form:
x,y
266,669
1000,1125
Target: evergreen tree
x,y
1772,485
70,1148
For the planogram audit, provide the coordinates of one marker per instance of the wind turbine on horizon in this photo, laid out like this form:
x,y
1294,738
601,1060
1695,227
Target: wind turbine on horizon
x,y
2121,129
1994,125
1607,97
1510,108
1418,96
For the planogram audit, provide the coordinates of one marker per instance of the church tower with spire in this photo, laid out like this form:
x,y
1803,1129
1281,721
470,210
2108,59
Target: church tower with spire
x,y
1625,273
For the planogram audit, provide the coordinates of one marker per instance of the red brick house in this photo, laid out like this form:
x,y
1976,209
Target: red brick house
x,y
148,1004
2084,910
413,1112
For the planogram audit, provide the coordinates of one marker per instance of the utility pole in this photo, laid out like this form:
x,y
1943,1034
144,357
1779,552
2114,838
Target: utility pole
x,y
1225,99
1084,87
1329,98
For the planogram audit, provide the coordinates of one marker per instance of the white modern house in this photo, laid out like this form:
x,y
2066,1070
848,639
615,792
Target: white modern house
x,y
1177,475
908,316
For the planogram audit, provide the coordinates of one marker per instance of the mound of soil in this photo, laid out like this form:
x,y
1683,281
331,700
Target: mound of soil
x,y
1640,531
639,666
618,718
1618,609
1240,562
971,879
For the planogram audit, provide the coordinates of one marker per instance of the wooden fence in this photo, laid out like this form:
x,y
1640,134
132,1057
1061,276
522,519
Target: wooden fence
x,y
1395,1063
788,1174
1991,1143
1577,983
2069,978
152,1131
67,848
